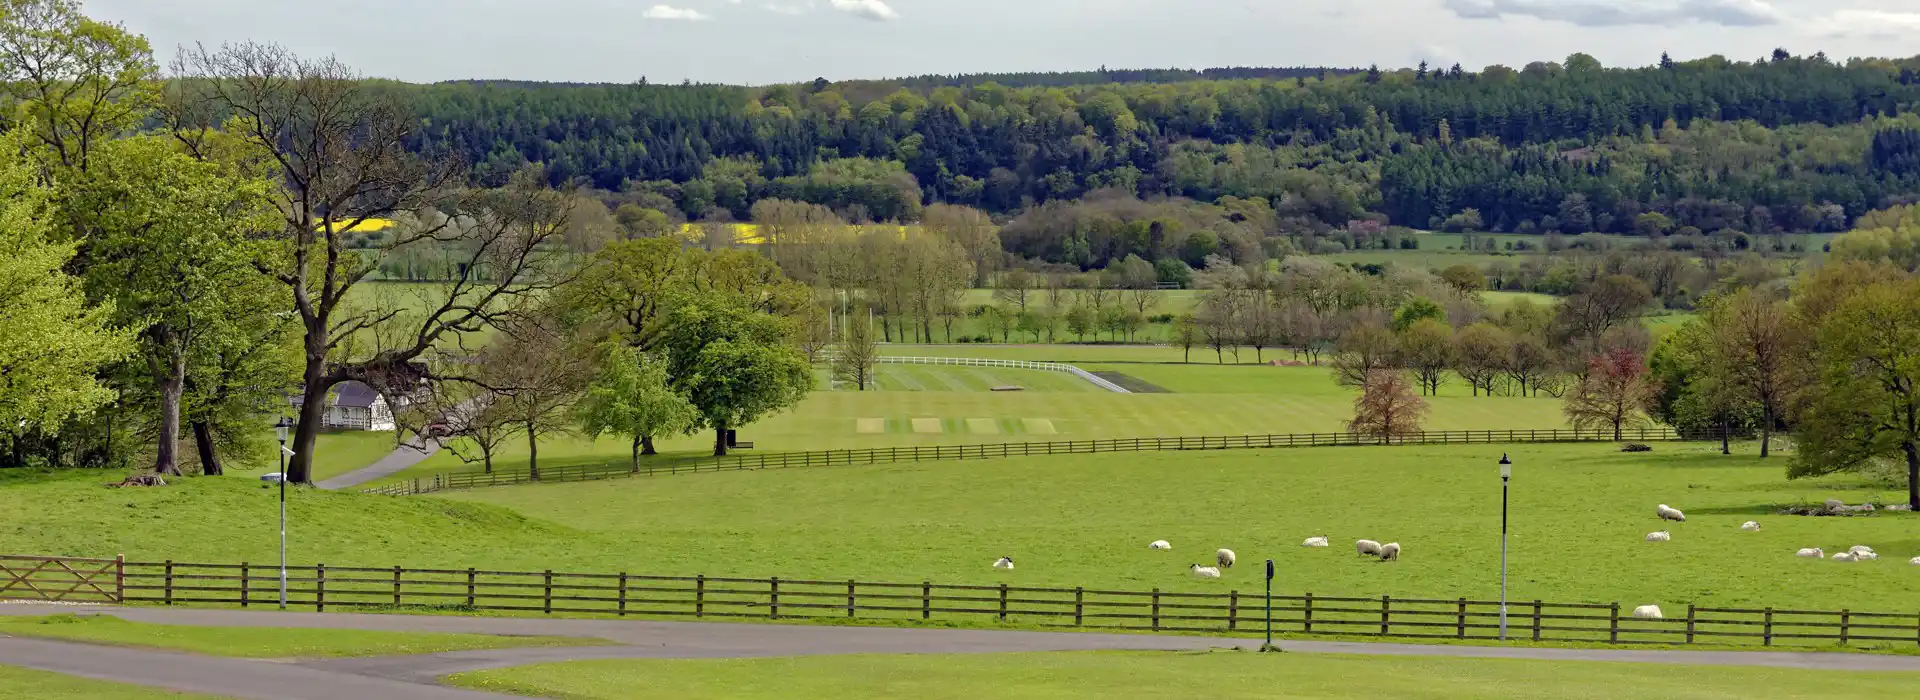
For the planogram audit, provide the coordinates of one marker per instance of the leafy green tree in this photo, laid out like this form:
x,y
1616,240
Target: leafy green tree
x,y
857,355
1416,310
1865,406
630,396
1081,320
53,344
734,364
1426,348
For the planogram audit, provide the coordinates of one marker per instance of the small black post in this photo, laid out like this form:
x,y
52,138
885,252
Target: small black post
x,y
1269,645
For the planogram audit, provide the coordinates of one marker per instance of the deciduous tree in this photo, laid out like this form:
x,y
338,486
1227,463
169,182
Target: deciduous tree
x,y
1616,394
630,396
1426,348
1866,404
1388,408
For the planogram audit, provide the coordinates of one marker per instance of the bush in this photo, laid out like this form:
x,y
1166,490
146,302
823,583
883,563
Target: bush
x,y
1409,243
1636,447
1160,318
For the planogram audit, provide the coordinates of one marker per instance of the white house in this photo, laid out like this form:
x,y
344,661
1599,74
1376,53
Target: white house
x,y
355,406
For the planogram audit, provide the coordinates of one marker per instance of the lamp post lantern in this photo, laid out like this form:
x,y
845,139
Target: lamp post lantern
x,y
1506,475
280,430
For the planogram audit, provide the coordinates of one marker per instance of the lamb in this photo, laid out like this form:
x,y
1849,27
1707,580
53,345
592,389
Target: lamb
x,y
1390,551
1844,557
1205,571
1003,563
1661,536
1915,562
1368,548
1224,558
1314,542
1859,548
1648,612
1865,556
1159,544
1670,513
1811,553
1749,526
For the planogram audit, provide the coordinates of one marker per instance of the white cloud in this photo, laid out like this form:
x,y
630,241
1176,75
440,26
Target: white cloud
x,y
1601,13
1877,24
669,12
794,8
876,10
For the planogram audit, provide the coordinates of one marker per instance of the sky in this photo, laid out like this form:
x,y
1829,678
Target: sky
x,y
773,41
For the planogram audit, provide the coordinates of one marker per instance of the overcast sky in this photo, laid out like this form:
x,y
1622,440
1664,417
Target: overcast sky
x,y
767,41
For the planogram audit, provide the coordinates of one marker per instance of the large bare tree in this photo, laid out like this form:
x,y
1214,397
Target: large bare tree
x,y
338,147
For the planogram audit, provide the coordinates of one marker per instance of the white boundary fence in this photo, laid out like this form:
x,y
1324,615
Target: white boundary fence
x,y
1009,364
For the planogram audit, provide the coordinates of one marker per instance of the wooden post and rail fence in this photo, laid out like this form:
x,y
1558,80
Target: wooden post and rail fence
x,y
344,588
942,453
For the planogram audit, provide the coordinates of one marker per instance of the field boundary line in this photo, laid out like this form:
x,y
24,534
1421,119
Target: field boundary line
x,y
946,453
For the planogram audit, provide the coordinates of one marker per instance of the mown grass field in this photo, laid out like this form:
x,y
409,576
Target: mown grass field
x,y
1580,513
41,685
262,642
1218,674
341,452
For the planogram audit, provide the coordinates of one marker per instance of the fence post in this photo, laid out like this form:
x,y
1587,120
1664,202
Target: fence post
x,y
1233,610
1536,620
245,584
119,578
546,595
773,597
1766,633
1461,632
700,595
1003,602
622,594
1156,608
1613,625
396,586
169,583
849,597
1846,618
1307,614
1690,621
926,600
1079,603
319,587
1386,614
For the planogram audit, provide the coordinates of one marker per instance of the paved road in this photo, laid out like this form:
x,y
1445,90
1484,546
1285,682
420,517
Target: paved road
x,y
233,678
679,640
396,461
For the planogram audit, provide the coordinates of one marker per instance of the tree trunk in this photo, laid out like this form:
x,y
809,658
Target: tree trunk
x,y
533,452
633,458
1913,474
203,443
646,446
1726,437
172,387
1766,431
313,393
720,441
486,458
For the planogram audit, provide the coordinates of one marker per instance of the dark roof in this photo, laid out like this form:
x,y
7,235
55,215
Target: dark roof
x,y
354,395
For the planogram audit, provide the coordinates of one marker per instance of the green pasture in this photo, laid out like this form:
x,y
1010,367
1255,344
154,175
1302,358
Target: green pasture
x,y
341,452
262,642
42,685
1580,513
1218,674
969,379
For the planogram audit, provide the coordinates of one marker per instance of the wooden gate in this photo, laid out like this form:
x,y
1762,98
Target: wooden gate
x,y
61,579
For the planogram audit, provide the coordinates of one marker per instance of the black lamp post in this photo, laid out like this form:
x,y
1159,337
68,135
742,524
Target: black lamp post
x,y
280,429
1506,475
1269,645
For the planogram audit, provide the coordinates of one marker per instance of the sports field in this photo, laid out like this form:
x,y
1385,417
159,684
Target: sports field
x,y
1219,674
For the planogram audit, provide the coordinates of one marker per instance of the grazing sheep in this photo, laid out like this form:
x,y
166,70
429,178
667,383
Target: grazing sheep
x,y
1314,542
1915,562
1670,513
1844,557
1159,544
1859,548
1648,612
1865,556
1749,526
1811,553
1368,548
1003,563
1205,571
1225,558
1390,551
1835,504
1661,536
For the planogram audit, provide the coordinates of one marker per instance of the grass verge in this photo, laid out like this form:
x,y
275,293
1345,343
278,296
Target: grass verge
x,y
264,642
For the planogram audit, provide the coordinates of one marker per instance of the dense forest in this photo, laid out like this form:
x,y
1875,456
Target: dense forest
x,y
1784,143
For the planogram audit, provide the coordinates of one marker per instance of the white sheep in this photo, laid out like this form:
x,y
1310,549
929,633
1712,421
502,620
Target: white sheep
x,y
1224,558
1865,556
1859,549
1206,571
1314,542
1003,563
1844,557
1159,544
1661,536
1915,562
1648,612
1390,551
1811,553
1670,513
1749,526
1835,504
1367,548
